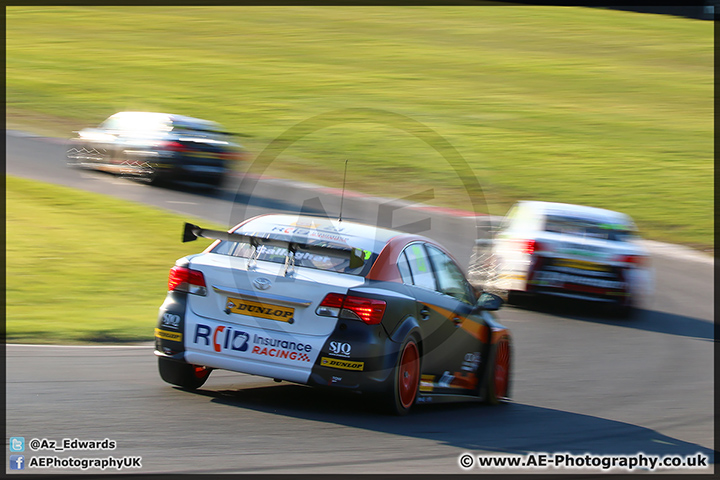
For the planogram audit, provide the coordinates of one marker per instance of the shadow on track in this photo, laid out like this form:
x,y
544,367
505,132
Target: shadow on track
x,y
510,428
647,320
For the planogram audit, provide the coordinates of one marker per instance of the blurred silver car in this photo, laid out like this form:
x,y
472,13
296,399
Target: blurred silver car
x,y
158,147
571,251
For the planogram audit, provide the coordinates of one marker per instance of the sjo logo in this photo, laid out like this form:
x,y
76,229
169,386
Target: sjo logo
x,y
17,444
17,462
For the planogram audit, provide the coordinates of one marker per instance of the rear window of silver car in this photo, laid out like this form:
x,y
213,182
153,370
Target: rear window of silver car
x,y
588,228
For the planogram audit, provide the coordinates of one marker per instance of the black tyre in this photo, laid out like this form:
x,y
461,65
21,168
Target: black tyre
x,y
514,297
185,375
623,308
497,385
622,311
216,183
149,174
153,177
406,379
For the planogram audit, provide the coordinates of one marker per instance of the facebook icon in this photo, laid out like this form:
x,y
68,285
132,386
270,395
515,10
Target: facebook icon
x,y
17,462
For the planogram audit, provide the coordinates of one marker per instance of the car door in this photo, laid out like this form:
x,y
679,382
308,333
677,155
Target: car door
x,y
452,334
112,136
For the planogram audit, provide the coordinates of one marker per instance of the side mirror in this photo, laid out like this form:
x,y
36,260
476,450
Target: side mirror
x,y
489,301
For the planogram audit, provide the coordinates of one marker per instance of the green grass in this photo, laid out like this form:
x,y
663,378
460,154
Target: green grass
x,y
83,267
581,105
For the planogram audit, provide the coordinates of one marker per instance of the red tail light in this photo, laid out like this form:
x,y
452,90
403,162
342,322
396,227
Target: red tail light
x,y
183,279
174,146
633,260
368,310
529,246
333,300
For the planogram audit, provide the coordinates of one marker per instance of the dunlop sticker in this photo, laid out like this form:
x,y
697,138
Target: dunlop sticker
x,y
260,310
342,364
164,334
580,264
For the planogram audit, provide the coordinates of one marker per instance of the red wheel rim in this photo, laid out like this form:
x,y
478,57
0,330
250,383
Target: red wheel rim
x,y
502,368
200,371
409,375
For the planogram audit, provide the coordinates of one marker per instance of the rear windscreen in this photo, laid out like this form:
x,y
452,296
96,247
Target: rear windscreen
x,y
580,227
199,129
329,259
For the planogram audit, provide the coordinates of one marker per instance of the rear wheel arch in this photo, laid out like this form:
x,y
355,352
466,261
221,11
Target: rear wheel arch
x,y
404,328
409,327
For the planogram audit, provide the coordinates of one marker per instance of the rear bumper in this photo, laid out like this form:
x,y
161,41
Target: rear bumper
x,y
581,296
354,356
598,282
290,373
180,172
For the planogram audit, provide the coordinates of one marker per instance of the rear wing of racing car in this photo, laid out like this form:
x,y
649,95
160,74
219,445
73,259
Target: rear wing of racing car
x,y
290,242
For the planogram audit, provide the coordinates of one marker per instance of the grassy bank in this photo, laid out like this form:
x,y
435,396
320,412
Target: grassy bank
x,y
600,107
82,267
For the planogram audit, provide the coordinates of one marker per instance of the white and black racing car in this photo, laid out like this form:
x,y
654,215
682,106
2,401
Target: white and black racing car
x,y
571,251
332,303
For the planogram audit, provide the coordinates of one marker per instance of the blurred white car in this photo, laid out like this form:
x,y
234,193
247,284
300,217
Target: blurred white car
x,y
158,147
572,251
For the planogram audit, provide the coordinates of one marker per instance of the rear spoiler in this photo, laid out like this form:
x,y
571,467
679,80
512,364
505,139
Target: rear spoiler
x,y
193,232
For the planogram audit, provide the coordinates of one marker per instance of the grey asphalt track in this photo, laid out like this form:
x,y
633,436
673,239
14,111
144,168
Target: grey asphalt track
x,y
584,383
